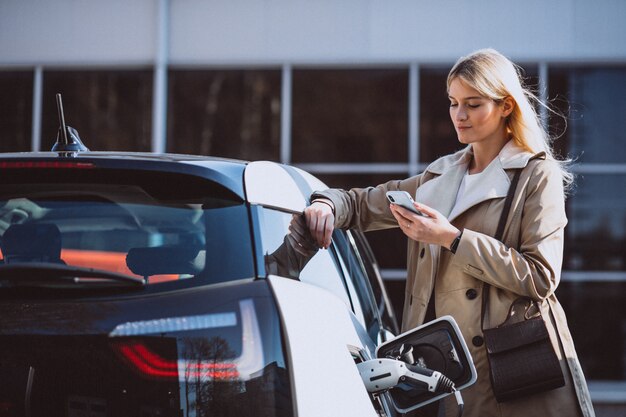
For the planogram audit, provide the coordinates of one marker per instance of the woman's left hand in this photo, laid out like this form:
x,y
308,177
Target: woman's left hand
x,y
435,228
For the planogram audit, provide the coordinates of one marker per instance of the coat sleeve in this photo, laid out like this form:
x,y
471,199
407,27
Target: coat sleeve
x,y
535,269
366,208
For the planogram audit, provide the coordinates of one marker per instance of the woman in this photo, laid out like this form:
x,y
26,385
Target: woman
x,y
452,252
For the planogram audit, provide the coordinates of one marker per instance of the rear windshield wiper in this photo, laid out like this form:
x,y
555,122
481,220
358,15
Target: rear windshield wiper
x,y
44,273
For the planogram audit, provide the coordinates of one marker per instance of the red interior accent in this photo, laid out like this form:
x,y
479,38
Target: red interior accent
x,y
45,164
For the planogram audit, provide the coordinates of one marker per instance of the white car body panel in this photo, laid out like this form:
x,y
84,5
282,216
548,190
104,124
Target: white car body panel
x,y
268,184
326,381
315,183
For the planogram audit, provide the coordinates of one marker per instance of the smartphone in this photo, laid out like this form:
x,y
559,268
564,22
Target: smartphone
x,y
403,199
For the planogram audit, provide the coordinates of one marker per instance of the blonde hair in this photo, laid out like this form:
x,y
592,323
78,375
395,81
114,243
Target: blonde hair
x,y
494,76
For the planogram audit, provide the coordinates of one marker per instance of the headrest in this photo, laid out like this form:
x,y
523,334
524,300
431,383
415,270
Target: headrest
x,y
162,260
31,242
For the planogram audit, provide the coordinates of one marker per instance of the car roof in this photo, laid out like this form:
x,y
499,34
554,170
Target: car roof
x,y
261,182
227,172
172,157
280,186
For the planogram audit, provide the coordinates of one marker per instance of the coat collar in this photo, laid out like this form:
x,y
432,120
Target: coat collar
x,y
440,192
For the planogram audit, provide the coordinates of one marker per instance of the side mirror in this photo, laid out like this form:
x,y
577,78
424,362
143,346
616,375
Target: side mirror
x,y
435,346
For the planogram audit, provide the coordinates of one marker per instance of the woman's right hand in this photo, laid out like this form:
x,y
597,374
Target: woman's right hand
x,y
321,222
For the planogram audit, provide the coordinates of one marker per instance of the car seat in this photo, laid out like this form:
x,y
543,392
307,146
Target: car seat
x,y
31,242
162,260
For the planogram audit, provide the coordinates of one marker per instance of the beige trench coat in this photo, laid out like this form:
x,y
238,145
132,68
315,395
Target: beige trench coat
x,y
528,264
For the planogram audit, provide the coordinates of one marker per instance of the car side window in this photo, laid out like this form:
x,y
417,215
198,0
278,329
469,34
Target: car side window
x,y
378,287
321,269
361,291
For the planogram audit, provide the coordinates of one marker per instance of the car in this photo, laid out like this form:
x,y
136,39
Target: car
x,y
136,284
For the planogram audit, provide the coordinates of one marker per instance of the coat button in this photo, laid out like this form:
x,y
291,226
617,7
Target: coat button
x,y
477,341
471,294
422,253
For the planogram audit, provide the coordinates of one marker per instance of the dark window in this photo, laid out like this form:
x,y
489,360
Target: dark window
x,y
596,233
350,115
359,287
437,135
530,78
389,245
112,110
16,110
596,313
234,114
383,302
128,221
593,102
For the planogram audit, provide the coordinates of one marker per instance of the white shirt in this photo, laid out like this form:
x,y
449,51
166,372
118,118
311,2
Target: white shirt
x,y
469,190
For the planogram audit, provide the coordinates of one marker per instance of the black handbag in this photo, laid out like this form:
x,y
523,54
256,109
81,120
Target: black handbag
x,y
521,358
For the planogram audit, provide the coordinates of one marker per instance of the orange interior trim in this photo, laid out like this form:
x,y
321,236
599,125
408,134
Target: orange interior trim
x,y
107,261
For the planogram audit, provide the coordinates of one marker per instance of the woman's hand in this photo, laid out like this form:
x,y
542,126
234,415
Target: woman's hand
x,y
435,228
321,222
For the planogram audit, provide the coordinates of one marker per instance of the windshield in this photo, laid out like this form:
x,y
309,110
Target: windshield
x,y
159,227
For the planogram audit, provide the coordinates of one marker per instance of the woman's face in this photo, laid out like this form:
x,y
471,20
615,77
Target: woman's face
x,y
477,119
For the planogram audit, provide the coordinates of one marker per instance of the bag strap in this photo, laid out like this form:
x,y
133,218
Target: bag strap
x,y
499,234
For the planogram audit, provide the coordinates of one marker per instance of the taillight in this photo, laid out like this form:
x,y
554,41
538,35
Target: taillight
x,y
164,348
151,364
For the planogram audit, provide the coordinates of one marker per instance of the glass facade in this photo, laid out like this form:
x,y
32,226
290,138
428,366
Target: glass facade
x,y
592,100
342,115
388,245
111,109
351,128
16,106
227,113
434,117
596,235
596,315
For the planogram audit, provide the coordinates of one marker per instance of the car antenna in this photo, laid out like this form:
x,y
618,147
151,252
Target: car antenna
x,y
68,142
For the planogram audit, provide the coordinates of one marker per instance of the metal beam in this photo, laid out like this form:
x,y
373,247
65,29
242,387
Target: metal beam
x,y
566,276
414,111
159,91
35,141
285,115
543,94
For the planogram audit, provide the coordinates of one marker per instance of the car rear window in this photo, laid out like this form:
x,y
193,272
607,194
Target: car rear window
x,y
157,226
